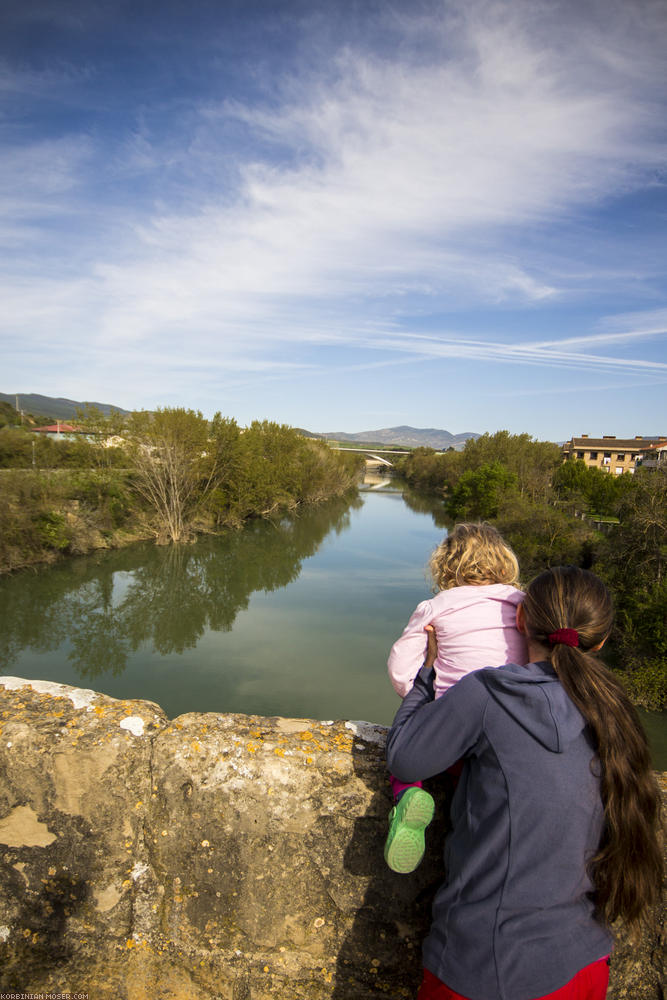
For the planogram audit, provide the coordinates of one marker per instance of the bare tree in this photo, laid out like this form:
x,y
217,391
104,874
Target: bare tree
x,y
177,459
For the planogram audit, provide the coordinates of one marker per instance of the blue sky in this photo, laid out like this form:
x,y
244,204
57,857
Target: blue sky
x,y
339,215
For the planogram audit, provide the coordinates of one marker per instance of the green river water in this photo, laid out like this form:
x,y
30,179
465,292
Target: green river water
x,y
292,618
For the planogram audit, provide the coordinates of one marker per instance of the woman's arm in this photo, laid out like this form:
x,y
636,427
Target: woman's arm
x,y
429,736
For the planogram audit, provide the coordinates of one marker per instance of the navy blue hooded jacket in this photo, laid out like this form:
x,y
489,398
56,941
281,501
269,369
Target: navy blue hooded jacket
x,y
514,919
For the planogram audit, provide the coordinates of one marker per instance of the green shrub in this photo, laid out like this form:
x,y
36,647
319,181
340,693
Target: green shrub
x,y
647,684
53,531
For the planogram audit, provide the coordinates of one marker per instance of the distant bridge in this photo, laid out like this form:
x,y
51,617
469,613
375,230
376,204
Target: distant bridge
x,y
375,454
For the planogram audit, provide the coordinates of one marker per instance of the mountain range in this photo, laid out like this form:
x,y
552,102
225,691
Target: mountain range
x,y
59,408
52,406
408,437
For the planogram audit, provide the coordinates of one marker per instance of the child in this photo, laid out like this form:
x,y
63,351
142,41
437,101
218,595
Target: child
x,y
473,616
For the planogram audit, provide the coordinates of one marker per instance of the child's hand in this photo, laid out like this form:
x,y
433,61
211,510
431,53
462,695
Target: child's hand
x,y
432,646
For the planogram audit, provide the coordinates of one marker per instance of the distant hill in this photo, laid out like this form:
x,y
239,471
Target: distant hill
x,y
407,437
56,407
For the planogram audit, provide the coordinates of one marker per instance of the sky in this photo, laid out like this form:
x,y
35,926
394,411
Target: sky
x,y
341,215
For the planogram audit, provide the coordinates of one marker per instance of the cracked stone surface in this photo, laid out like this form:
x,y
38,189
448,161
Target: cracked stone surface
x,y
211,857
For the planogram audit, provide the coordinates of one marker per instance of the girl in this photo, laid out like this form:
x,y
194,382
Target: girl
x,y
555,819
474,618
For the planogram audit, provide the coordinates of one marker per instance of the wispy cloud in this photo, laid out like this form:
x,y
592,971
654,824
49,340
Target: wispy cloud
x,y
544,355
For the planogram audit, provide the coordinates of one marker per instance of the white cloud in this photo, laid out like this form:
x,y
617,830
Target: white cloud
x,y
378,187
404,178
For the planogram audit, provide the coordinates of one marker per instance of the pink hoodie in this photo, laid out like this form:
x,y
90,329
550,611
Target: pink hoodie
x,y
475,627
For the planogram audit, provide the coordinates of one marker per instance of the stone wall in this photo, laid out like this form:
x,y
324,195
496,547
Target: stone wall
x,y
228,857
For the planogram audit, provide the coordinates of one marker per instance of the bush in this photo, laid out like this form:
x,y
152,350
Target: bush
x,y
646,684
52,530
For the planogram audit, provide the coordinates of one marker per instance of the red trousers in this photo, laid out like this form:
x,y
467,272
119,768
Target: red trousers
x,y
588,984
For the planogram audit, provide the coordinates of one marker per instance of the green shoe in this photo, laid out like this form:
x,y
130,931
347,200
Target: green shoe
x,y
408,819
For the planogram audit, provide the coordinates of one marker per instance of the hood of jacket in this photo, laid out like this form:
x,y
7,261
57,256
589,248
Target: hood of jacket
x,y
534,697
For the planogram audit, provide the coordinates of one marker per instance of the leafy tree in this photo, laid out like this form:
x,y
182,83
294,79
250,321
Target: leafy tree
x,y
633,559
571,481
480,492
430,472
588,489
542,535
532,462
271,467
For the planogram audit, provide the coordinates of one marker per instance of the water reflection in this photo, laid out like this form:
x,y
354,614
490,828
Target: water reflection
x,y
106,607
428,505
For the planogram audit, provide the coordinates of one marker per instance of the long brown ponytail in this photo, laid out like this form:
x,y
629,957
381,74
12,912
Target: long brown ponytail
x,y
627,870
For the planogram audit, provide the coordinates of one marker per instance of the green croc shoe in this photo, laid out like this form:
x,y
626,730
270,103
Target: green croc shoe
x,y
408,819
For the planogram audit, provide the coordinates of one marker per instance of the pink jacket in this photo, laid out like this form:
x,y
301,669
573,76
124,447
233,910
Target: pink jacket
x,y
475,627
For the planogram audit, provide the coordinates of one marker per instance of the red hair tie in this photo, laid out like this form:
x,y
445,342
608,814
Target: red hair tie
x,y
568,636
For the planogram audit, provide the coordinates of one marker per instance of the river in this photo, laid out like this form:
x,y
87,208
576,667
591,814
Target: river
x,y
292,617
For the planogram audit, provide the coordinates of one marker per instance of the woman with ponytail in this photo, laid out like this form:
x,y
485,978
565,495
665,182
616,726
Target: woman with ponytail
x,y
555,818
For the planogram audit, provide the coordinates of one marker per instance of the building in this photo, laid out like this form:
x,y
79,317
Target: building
x,y
59,431
611,454
655,457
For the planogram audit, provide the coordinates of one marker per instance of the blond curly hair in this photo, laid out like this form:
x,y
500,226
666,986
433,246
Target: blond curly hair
x,y
473,555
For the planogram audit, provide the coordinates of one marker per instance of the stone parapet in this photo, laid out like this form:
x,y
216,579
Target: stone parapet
x,y
210,857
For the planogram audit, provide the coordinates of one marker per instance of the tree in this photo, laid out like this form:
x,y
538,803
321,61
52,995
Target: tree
x,y
542,535
532,462
272,467
479,493
177,459
634,562
584,488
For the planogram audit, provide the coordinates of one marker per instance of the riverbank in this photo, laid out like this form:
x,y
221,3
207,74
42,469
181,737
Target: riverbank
x,y
49,515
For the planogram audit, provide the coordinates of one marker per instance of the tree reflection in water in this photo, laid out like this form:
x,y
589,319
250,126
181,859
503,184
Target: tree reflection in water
x,y
106,607
432,505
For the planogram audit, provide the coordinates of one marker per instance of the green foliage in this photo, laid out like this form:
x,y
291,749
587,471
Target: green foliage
x,y
646,683
104,494
15,448
530,462
581,487
271,467
479,493
32,526
52,530
8,415
430,472
633,561
542,535
24,449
